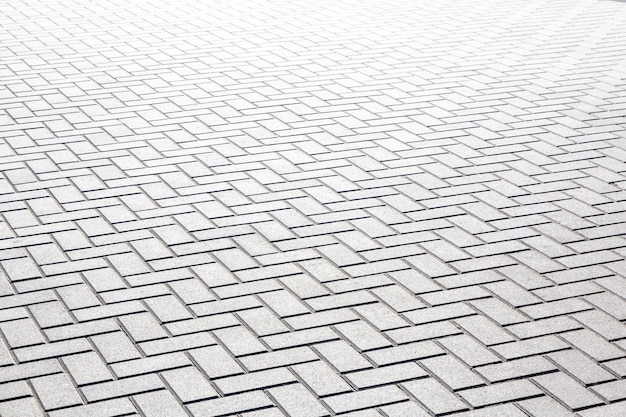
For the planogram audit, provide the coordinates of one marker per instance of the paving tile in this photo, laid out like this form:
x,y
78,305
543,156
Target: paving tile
x,y
266,412
452,372
404,409
553,325
191,291
514,369
50,314
434,396
99,409
189,384
87,368
454,295
254,381
469,350
617,366
612,391
20,269
15,390
149,365
499,311
440,313
115,347
230,405
21,333
555,308
342,356
304,337
403,353
55,391
373,397
128,264
469,278
500,393
609,303
512,294
239,341
30,370
603,324
398,299
79,296
297,400
304,286
503,410
177,343
107,311
51,350
348,299
430,265
610,410
217,308
567,391
593,345
484,330
525,277
530,347
121,388
422,332
544,406
23,407
381,317
580,367
143,327
159,403
321,378
386,375
362,336
168,309
215,361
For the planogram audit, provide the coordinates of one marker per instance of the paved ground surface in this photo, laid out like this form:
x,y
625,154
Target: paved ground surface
x,y
302,208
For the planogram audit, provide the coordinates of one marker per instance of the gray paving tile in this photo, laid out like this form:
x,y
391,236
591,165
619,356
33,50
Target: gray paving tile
x,y
297,400
27,407
364,399
500,393
567,391
231,405
609,410
435,396
159,403
55,391
544,406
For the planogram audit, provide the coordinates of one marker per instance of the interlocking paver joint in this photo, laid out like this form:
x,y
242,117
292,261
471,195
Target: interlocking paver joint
x,y
308,209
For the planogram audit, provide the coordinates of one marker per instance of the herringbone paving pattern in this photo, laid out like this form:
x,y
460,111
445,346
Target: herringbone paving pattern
x,y
313,208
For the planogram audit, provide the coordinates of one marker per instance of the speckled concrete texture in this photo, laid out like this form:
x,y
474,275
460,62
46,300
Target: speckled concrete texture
x,y
301,208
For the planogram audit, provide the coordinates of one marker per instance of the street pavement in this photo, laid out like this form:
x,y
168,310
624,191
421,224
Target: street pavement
x,y
357,208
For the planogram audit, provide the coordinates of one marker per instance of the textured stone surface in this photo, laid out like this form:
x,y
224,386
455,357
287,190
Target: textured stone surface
x,y
297,208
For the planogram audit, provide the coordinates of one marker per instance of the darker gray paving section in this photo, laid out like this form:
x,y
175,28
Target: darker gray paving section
x,y
295,208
